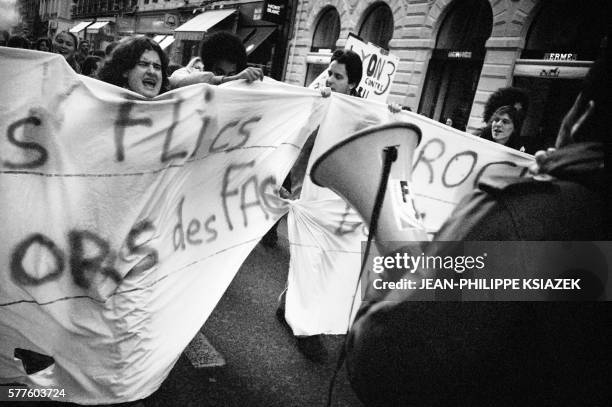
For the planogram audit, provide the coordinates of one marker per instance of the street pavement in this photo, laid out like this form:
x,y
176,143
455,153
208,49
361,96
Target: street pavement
x,y
263,366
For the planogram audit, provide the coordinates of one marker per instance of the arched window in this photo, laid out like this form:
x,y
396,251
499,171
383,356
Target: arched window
x,y
563,40
377,26
324,40
567,26
327,31
454,69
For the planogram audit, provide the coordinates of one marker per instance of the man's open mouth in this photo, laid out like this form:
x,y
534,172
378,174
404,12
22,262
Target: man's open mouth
x,y
149,83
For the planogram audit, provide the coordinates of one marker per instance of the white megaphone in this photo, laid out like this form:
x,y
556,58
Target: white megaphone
x,y
354,169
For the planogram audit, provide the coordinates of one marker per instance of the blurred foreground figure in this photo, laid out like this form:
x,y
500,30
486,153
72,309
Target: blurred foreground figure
x,y
407,352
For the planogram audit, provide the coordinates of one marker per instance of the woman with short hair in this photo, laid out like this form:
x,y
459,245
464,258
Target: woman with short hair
x,y
505,125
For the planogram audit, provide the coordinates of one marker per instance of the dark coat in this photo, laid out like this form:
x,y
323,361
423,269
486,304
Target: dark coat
x,y
420,353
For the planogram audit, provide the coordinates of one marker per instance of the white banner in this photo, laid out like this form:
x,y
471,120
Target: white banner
x,y
326,233
124,219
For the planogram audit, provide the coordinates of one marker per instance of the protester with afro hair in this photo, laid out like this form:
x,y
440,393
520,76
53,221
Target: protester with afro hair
x,y
510,96
224,58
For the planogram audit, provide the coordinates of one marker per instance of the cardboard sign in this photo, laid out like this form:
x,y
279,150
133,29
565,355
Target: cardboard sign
x,y
379,68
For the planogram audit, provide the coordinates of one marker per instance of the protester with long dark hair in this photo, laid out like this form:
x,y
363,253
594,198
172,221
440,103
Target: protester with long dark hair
x,y
18,41
138,64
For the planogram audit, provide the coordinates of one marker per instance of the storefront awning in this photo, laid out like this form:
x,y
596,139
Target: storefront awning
x,y
159,38
552,69
95,27
194,29
254,40
166,42
80,27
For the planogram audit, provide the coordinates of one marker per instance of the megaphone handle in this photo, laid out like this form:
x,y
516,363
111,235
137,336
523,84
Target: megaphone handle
x,y
390,156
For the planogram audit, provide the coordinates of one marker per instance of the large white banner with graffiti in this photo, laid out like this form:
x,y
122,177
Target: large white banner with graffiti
x,y
124,219
326,233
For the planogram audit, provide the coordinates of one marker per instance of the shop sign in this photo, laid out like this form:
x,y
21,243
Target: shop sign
x,y
556,56
460,54
546,71
125,24
170,21
274,11
153,24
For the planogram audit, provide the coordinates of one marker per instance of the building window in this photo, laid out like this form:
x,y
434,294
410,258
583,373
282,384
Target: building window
x,y
327,31
377,27
454,69
324,40
563,40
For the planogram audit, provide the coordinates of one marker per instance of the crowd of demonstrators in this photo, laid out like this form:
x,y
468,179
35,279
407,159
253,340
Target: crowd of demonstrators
x,y
223,58
405,352
18,41
507,210
78,54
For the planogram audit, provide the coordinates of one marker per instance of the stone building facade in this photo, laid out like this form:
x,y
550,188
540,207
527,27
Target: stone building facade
x,y
455,53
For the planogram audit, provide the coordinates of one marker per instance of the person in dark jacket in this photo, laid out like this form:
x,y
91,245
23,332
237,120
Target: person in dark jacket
x,y
402,351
